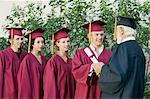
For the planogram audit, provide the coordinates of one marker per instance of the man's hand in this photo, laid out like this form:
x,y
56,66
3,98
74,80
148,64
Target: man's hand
x,y
97,67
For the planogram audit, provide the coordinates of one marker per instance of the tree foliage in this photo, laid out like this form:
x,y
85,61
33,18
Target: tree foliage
x,y
3,43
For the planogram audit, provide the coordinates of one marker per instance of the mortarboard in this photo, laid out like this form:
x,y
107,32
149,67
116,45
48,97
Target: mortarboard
x,y
126,21
15,31
94,26
61,33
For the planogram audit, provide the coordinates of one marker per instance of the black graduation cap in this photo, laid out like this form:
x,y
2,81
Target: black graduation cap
x,y
126,21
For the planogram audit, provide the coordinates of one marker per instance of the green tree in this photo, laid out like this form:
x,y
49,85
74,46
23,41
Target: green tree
x,y
3,43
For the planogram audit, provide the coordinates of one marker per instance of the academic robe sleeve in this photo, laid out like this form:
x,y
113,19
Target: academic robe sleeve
x,y
24,80
50,81
114,74
1,75
139,65
80,71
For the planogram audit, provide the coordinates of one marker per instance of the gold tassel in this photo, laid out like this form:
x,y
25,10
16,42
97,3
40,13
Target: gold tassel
x,y
11,35
52,44
115,29
89,35
29,43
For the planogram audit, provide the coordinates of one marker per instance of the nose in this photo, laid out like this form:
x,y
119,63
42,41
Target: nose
x,y
99,36
67,43
20,40
42,44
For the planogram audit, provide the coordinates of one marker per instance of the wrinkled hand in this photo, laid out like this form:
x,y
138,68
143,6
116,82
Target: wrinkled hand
x,y
97,67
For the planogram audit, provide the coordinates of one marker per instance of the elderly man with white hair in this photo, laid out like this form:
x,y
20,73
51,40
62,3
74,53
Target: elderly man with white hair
x,y
123,76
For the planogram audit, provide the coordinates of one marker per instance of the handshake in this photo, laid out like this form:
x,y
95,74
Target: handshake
x,y
97,67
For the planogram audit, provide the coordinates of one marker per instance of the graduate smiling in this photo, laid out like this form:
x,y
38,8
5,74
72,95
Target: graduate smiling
x,y
30,75
10,59
59,82
84,59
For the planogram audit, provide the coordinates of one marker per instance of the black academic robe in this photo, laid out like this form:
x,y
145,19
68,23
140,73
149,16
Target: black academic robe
x,y
123,76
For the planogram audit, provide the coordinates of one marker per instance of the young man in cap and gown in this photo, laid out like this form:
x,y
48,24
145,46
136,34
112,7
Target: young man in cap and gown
x,y
30,75
123,76
86,79
10,59
59,82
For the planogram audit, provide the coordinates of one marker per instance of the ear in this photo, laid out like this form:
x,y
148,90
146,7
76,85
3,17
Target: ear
x,y
10,41
57,43
32,45
123,36
122,30
88,35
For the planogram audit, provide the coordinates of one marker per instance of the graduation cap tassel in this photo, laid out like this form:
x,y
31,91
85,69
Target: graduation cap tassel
x,y
90,32
11,35
29,43
115,29
52,44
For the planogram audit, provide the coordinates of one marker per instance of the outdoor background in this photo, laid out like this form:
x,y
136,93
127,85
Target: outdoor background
x,y
52,15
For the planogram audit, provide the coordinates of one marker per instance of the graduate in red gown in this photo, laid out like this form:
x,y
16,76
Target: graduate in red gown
x,y
58,79
87,81
30,75
10,59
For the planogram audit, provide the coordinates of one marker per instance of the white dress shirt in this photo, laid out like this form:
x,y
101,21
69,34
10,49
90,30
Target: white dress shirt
x,y
100,49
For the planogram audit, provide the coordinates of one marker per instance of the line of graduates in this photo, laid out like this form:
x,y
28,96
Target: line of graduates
x,y
30,76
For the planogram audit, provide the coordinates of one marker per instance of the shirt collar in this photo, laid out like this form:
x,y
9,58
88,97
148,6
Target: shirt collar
x,y
100,49
128,38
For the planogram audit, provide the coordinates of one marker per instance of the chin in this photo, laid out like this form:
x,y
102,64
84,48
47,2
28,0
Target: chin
x,y
100,44
19,47
97,44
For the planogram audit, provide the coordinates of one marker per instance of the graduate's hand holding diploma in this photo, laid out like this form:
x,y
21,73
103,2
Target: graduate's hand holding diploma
x,y
97,67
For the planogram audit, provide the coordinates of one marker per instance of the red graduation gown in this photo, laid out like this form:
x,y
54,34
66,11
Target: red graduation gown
x,y
58,79
9,66
87,87
30,77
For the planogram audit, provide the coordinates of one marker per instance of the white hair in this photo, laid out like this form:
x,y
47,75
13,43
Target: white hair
x,y
128,30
